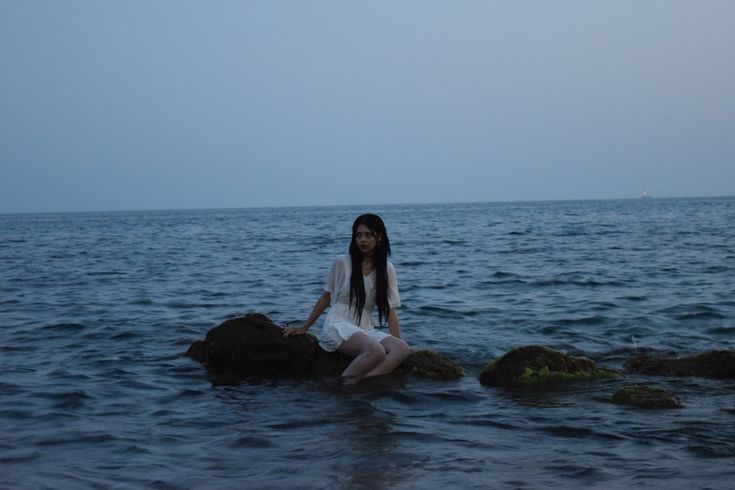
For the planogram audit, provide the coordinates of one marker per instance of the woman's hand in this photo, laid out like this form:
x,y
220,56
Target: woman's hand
x,y
288,331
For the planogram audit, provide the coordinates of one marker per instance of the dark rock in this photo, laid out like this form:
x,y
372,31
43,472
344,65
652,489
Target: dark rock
x,y
643,396
711,364
253,345
536,364
197,350
430,364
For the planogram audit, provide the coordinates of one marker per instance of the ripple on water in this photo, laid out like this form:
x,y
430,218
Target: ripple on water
x,y
250,442
64,328
19,456
693,312
65,400
72,438
578,432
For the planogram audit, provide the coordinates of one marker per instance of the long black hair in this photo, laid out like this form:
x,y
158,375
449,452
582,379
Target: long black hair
x,y
380,262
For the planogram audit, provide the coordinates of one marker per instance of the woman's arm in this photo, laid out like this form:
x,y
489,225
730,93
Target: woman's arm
x,y
393,325
319,307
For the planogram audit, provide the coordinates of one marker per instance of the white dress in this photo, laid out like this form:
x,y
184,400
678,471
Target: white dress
x,y
341,322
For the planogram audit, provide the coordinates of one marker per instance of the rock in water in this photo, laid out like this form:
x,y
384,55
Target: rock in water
x,y
252,345
643,396
711,364
536,364
430,364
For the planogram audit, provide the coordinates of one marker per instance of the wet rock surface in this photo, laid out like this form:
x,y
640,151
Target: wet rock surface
x,y
536,364
253,345
710,364
644,396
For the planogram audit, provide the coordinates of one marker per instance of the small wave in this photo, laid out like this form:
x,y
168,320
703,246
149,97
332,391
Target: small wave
x,y
180,305
483,422
589,283
104,273
579,432
722,330
66,400
64,327
716,269
77,438
302,424
128,334
438,311
635,297
251,442
14,414
698,311
578,472
701,315
724,450
21,456
500,277
15,348
587,320
141,302
134,449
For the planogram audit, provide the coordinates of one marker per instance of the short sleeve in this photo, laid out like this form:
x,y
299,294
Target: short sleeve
x,y
394,300
334,279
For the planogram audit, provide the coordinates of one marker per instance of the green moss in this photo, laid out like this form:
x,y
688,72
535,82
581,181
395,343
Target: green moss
x,y
545,375
645,397
624,395
606,373
490,367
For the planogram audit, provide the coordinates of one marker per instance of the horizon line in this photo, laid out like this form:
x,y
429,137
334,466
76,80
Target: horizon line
x,y
439,203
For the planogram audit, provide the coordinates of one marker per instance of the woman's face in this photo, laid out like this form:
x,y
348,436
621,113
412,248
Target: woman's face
x,y
366,240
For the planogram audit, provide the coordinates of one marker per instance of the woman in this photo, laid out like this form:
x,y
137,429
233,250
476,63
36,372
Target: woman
x,y
357,282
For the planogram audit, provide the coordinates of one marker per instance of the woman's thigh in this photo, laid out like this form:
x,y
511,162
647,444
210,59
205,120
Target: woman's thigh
x,y
359,343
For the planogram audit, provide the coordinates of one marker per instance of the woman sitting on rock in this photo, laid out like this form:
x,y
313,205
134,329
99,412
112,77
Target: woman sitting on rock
x,y
349,326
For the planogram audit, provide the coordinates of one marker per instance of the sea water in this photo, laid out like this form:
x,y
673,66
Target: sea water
x,y
97,309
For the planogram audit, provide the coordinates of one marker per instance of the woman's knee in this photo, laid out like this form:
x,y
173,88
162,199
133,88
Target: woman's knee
x,y
396,347
404,348
375,350
361,344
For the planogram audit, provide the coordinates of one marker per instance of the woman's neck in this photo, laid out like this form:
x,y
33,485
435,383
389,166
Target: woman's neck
x,y
367,265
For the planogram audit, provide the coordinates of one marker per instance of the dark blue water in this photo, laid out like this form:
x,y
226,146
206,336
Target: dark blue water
x,y
96,310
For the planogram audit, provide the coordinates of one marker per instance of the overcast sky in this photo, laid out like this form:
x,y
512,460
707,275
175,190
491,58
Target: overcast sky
x,y
125,105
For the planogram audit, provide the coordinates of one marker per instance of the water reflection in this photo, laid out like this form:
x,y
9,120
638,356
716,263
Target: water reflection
x,y
368,434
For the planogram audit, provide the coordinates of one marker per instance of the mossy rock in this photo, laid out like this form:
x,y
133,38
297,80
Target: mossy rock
x,y
643,396
430,364
536,364
710,364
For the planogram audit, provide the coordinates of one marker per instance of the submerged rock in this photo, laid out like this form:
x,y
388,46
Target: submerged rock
x,y
643,396
711,364
535,364
252,345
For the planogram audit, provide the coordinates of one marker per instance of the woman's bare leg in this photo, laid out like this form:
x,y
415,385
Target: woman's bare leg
x,y
396,351
367,353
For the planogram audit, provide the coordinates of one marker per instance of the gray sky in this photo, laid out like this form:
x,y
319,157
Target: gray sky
x,y
118,105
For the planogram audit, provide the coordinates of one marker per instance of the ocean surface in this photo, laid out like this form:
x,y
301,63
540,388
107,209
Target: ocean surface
x,y
97,309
